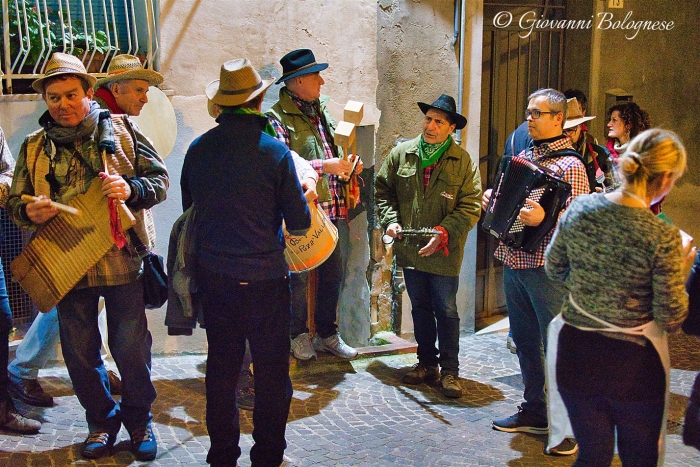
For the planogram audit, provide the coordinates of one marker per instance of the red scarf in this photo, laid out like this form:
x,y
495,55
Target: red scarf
x,y
107,96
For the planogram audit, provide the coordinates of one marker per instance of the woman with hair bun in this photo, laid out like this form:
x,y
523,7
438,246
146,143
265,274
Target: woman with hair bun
x,y
625,271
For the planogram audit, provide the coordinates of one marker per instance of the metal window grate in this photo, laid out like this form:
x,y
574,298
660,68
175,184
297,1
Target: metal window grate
x,y
13,241
93,30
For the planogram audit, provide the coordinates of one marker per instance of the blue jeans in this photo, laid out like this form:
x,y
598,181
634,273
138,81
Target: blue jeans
x,y
434,311
37,346
5,327
130,344
330,278
595,419
532,300
258,311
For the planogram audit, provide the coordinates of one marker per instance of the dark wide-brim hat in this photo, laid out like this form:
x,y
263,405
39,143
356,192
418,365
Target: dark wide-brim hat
x,y
446,104
299,62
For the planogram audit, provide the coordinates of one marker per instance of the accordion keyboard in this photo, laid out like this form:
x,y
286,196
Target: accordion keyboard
x,y
535,195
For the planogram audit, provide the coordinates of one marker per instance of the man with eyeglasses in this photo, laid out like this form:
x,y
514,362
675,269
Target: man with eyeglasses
x,y
533,299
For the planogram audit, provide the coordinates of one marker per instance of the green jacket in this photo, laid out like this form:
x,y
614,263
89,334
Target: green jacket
x,y
304,137
452,201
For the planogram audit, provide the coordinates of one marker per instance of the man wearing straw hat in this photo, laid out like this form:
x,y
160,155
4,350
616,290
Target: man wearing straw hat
x,y
55,164
241,270
122,91
595,157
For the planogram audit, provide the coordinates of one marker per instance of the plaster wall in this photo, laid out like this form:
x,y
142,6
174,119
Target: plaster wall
x,y
419,62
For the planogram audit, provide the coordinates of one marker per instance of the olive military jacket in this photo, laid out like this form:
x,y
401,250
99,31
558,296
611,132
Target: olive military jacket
x,y
304,137
452,200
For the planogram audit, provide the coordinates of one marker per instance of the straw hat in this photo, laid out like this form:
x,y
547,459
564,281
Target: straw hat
x,y
573,114
63,64
446,104
299,62
125,67
238,83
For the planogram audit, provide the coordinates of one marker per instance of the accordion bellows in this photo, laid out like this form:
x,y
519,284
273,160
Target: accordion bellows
x,y
518,179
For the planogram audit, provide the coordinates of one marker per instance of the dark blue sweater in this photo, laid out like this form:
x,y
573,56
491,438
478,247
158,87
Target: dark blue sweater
x,y
242,183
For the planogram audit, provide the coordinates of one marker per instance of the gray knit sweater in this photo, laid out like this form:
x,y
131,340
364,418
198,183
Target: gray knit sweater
x,y
621,264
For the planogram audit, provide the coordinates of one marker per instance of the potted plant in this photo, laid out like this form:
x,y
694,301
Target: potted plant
x,y
30,34
41,34
85,44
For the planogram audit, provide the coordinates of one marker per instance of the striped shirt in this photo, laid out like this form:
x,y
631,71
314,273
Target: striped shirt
x,y
570,169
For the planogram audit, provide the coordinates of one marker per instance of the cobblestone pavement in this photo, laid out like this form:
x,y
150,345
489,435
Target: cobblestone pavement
x,y
344,414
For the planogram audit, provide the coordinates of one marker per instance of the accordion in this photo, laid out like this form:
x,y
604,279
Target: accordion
x,y
517,179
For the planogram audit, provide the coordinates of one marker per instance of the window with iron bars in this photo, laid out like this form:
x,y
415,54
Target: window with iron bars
x,y
93,30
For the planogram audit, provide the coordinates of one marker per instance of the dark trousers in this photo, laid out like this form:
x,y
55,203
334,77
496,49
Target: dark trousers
x,y
330,278
595,420
259,311
434,312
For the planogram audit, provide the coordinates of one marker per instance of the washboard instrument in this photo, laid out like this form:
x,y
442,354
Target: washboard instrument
x,y
64,249
517,179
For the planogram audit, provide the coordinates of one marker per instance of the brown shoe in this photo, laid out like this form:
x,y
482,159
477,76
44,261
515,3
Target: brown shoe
x,y
11,420
422,374
450,387
28,391
115,384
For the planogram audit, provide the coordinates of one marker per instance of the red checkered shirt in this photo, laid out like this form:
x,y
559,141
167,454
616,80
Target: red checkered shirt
x,y
570,169
335,207
427,172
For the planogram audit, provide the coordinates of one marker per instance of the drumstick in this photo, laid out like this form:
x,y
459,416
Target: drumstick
x,y
59,206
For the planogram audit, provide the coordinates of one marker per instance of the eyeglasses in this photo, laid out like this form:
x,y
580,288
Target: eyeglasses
x,y
535,113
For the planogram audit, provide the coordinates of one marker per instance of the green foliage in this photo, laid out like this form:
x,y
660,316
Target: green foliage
x,y
35,30
82,42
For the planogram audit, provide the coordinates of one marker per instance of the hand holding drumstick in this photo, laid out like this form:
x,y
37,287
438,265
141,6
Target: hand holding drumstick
x,y
41,209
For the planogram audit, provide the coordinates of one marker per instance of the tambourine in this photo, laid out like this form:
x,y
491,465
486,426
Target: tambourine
x,y
157,121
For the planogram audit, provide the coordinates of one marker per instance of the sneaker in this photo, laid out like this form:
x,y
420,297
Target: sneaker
x,y
422,374
12,420
335,345
289,462
98,444
115,384
302,347
521,422
143,444
565,448
450,386
511,345
28,391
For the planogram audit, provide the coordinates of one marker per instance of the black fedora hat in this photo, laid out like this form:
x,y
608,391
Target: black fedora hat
x,y
446,104
299,62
